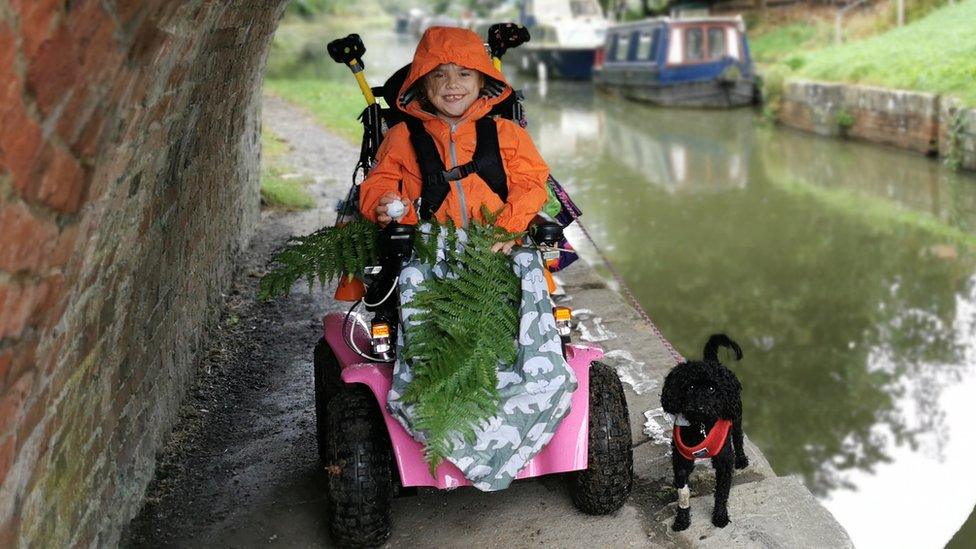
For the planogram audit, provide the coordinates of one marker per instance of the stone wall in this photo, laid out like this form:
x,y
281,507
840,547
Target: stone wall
x,y
129,151
908,120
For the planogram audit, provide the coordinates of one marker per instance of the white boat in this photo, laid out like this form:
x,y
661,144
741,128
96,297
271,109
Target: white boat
x,y
565,36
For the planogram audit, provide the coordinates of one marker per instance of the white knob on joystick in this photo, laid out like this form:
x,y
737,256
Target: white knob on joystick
x,y
396,209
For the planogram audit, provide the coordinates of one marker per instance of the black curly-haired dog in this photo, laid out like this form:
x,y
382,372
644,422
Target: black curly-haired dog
x,y
705,398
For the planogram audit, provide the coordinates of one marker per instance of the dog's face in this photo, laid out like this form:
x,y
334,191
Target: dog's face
x,y
701,391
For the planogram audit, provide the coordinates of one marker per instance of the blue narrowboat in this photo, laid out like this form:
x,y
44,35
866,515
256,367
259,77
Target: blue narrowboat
x,y
694,62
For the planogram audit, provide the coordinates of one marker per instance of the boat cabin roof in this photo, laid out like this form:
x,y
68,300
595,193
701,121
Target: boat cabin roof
x,y
549,10
736,21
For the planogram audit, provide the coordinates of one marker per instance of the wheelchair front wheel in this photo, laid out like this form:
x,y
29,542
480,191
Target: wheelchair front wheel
x,y
605,484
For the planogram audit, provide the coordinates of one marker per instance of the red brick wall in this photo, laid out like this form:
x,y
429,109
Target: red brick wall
x,y
128,181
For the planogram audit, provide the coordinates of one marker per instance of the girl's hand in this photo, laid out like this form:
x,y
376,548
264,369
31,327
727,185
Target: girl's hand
x,y
503,247
381,216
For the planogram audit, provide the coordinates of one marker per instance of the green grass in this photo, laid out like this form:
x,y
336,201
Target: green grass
x,y
780,42
934,54
335,105
284,193
278,191
273,147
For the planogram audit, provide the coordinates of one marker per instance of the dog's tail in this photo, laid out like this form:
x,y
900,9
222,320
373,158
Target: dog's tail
x,y
710,353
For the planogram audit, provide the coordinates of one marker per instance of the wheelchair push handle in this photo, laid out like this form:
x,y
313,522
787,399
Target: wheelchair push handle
x,y
505,36
348,51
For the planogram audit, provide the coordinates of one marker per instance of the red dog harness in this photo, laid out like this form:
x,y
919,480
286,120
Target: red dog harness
x,y
710,447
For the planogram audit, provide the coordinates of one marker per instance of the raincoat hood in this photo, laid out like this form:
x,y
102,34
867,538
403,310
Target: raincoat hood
x,y
442,45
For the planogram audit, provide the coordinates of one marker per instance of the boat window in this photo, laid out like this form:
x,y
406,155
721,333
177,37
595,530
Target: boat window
x,y
623,47
694,45
647,45
732,44
716,43
675,46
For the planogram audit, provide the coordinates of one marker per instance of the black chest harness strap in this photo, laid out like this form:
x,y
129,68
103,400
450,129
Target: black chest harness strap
x,y
486,163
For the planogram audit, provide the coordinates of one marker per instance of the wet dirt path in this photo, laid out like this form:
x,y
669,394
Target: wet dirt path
x,y
244,449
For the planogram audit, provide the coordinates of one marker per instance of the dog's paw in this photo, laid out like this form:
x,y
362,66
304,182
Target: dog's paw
x,y
720,518
681,523
682,520
741,462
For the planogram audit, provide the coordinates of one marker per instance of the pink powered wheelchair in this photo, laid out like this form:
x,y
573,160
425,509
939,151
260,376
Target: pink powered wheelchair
x,y
368,455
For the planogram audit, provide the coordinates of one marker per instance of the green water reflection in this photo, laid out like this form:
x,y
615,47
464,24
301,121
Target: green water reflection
x,y
839,268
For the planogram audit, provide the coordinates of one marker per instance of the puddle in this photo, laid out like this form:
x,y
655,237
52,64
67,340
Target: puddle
x,y
631,371
657,426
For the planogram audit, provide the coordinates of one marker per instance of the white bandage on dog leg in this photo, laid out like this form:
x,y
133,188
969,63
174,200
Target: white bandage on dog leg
x,y
684,497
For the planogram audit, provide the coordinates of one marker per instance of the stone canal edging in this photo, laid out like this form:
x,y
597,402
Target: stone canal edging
x,y
923,122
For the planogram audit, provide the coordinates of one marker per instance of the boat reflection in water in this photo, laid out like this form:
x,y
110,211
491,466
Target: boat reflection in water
x,y
677,155
570,130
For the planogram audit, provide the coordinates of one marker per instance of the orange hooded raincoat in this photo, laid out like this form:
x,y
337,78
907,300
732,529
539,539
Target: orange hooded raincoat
x,y
396,161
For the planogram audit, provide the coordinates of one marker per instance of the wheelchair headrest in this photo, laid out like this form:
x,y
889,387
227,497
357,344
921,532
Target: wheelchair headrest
x,y
393,84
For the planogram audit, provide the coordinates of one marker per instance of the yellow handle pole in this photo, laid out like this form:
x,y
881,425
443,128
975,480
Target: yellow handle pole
x,y
357,70
497,61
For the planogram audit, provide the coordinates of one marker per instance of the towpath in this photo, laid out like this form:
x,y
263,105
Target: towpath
x,y
241,468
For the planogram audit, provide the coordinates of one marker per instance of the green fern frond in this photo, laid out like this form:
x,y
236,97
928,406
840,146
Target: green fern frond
x,y
466,326
322,255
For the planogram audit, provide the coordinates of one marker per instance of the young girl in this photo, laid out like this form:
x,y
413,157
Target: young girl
x,y
451,85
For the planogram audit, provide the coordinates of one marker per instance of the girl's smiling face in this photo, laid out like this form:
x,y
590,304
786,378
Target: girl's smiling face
x,y
451,89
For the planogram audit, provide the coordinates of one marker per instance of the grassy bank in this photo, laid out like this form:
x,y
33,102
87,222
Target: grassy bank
x,y
936,53
780,35
278,188
334,104
300,71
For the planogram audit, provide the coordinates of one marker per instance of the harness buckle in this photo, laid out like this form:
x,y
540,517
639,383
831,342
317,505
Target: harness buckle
x,y
461,171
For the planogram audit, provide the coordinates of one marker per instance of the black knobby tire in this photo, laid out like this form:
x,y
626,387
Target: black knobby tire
x,y
358,465
327,384
605,484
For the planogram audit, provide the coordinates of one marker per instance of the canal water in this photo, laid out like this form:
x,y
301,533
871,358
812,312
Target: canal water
x,y
846,271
